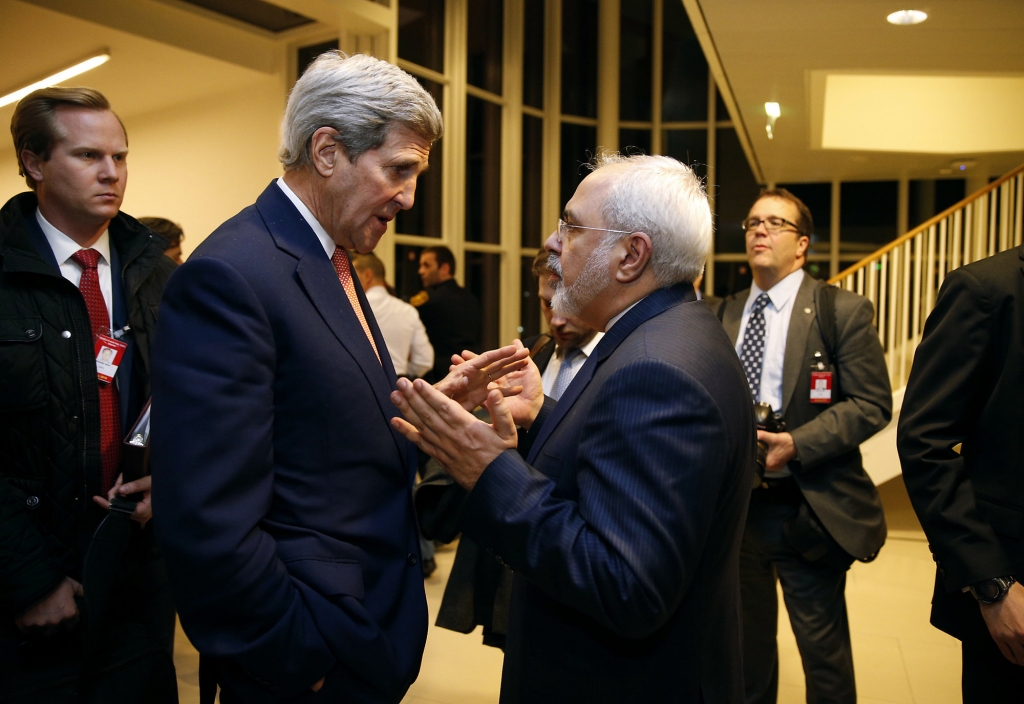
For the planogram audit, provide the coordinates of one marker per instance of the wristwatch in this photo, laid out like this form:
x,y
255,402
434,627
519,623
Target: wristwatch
x,y
989,591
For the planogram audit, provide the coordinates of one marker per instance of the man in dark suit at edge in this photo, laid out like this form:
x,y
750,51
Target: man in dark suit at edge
x,y
623,521
290,537
965,389
817,509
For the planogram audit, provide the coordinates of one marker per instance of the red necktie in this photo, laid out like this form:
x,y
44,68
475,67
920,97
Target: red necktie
x,y
110,413
340,261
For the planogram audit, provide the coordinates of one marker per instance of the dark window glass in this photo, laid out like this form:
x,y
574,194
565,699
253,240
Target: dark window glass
x,y
424,217
483,279
731,277
483,171
578,147
634,141
308,54
685,73
533,54
721,112
929,197
579,57
819,270
689,147
483,46
533,144
868,215
421,32
407,263
735,191
529,307
635,60
818,199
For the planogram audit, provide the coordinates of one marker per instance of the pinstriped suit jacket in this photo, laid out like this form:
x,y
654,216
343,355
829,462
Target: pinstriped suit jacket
x,y
624,528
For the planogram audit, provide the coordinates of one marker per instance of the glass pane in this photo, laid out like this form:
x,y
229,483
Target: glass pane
x,y
308,54
689,147
421,32
721,112
533,54
579,57
685,80
731,277
735,191
818,199
483,171
529,305
819,270
929,197
483,46
424,217
579,142
483,280
533,144
407,262
868,215
635,60
635,141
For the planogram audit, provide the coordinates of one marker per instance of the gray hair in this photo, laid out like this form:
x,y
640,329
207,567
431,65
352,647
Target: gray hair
x,y
664,198
359,96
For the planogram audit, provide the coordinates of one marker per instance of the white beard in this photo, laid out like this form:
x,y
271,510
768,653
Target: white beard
x,y
569,301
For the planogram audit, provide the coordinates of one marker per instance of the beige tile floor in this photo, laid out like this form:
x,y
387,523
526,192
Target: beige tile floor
x,y
898,656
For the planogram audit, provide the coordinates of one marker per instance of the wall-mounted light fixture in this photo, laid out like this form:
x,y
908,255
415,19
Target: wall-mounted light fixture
x,y
59,77
907,17
773,112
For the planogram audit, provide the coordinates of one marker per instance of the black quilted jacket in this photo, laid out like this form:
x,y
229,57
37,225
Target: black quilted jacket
x,y
49,408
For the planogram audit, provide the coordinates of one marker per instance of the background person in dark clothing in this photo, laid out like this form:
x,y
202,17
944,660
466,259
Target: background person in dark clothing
x,y
450,313
73,267
170,231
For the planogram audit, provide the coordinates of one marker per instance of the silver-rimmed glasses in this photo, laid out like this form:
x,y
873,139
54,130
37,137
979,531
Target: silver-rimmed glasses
x,y
563,230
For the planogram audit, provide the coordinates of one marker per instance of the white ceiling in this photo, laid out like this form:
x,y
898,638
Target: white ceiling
x,y
780,51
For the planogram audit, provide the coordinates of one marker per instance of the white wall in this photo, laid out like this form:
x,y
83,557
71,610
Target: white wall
x,y
196,163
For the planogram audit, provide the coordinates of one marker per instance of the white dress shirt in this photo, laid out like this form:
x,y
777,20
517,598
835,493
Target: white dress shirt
x,y
776,320
403,331
555,364
64,248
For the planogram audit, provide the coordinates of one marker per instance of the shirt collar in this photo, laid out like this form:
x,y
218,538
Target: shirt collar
x,y
618,317
318,229
376,293
64,247
780,293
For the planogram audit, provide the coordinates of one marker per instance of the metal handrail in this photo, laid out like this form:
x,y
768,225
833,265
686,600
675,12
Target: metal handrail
x,y
902,278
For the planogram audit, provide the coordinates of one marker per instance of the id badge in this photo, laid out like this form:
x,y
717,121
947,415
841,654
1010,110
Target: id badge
x,y
109,353
821,387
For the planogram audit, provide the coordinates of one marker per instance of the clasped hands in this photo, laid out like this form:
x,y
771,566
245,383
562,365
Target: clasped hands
x,y
438,419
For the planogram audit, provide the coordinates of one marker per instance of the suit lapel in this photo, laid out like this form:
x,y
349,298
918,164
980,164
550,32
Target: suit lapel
x,y
319,280
796,339
733,315
657,302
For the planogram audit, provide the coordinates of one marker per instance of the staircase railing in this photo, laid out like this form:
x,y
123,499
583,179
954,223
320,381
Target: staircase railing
x,y
902,278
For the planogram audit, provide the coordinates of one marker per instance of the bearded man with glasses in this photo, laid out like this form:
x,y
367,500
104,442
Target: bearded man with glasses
x,y
620,507
811,352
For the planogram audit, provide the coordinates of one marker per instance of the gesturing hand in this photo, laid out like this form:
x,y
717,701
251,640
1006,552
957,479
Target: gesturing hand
x,y
447,432
471,375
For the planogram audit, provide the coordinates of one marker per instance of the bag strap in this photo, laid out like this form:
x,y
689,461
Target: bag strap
x,y
825,302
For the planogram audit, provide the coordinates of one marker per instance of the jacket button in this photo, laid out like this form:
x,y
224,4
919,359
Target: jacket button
x,y
31,334
32,501
411,559
66,334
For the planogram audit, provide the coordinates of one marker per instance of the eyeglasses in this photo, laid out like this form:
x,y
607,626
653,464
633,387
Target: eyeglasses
x,y
563,230
772,223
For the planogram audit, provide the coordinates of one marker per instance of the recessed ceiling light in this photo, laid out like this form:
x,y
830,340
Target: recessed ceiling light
x,y
907,17
56,78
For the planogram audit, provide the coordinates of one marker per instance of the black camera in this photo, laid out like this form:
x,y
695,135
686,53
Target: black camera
x,y
770,421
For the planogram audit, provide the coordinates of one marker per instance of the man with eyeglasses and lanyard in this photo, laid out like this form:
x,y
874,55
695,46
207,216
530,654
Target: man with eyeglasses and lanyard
x,y
811,352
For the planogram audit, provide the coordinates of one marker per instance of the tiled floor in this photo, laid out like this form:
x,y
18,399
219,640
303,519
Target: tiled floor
x,y
898,656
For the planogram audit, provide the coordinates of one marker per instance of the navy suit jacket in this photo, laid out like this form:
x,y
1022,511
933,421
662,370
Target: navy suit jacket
x,y
624,526
284,495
